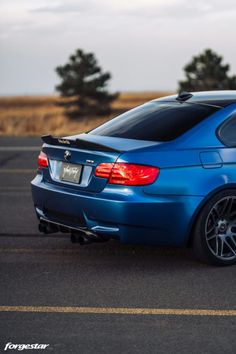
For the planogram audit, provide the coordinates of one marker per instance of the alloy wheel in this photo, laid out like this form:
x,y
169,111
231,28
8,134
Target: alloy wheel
x,y
220,229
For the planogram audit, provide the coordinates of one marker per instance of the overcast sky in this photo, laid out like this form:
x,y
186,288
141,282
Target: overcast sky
x,y
143,43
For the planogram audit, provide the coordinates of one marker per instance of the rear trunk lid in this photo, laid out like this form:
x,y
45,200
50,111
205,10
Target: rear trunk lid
x,y
84,152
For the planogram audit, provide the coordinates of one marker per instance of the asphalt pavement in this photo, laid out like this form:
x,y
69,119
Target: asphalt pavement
x,y
101,298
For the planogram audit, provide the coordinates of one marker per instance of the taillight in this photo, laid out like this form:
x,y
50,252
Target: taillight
x,y
103,170
127,174
42,160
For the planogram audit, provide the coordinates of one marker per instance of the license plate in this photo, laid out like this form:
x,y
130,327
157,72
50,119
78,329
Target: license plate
x,y
70,172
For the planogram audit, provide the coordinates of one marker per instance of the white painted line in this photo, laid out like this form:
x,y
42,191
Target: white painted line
x,y
17,170
119,311
20,148
14,189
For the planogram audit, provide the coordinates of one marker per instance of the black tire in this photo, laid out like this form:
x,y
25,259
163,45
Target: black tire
x,y
213,239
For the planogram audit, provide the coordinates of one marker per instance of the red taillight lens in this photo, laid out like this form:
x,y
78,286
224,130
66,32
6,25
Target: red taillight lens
x,y
127,174
103,170
132,174
42,160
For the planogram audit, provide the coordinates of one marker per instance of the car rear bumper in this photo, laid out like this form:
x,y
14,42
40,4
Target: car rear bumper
x,y
124,213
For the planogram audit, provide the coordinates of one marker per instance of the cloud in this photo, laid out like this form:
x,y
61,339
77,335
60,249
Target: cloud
x,y
68,7
158,9
183,9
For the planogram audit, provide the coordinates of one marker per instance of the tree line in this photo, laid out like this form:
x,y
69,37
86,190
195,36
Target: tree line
x,y
84,85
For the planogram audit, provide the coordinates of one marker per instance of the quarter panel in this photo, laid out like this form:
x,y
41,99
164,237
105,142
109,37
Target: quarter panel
x,y
194,180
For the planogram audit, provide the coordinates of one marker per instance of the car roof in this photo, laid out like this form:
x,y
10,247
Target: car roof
x,y
213,98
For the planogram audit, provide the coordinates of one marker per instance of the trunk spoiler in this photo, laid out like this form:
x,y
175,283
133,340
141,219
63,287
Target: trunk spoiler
x,y
78,143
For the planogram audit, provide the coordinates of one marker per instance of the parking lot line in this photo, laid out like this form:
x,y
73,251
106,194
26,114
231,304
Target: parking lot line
x,y
118,311
14,189
20,148
38,250
17,170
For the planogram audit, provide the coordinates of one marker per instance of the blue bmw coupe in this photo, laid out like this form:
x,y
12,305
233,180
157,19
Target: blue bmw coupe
x,y
163,173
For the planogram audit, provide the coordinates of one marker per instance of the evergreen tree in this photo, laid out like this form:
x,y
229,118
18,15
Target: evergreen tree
x,y
207,72
84,86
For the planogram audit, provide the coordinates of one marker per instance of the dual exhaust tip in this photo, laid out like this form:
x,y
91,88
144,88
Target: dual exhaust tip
x,y
85,239
48,228
83,236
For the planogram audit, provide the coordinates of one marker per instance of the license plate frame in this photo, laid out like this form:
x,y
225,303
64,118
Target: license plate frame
x,y
70,173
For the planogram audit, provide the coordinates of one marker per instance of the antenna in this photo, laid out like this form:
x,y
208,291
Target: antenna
x,y
184,96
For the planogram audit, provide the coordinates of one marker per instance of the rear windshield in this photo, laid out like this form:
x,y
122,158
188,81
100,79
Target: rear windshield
x,y
156,121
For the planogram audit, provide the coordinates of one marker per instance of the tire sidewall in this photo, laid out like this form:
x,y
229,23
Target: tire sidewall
x,y
200,246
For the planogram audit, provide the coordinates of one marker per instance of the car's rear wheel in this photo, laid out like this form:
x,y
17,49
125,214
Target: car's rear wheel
x,y
215,230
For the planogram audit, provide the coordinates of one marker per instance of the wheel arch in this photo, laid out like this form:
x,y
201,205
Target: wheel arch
x,y
194,218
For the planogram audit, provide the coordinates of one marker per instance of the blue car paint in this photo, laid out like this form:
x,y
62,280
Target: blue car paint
x,y
192,168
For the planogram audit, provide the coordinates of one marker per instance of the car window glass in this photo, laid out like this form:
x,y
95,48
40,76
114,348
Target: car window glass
x,y
156,121
228,132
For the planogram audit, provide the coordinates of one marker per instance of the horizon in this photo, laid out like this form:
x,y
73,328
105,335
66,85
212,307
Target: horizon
x,y
56,94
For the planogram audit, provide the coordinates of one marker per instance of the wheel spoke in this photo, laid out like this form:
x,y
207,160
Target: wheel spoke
x,y
211,229
229,246
215,217
233,240
216,211
233,222
211,237
227,207
217,245
221,247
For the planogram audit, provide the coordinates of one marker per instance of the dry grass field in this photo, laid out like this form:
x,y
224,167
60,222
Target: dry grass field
x,y
38,115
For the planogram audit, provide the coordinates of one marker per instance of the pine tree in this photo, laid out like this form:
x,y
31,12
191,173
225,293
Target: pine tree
x,y
207,72
84,86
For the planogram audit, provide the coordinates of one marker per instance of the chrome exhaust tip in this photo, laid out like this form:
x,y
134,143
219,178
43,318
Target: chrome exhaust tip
x,y
86,237
47,228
